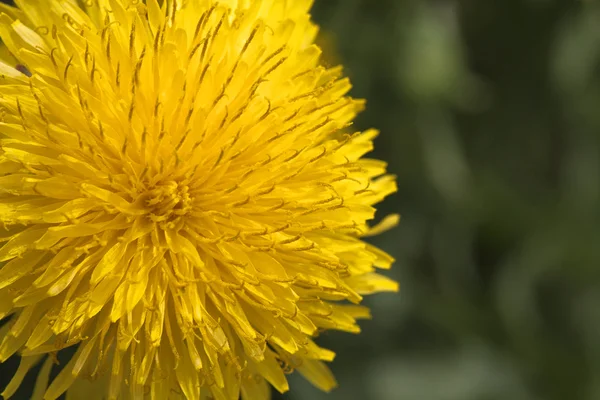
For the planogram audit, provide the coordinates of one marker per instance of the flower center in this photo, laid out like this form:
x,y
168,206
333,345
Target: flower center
x,y
168,201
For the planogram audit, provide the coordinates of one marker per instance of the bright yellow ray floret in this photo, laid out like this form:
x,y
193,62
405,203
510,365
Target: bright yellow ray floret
x,y
180,198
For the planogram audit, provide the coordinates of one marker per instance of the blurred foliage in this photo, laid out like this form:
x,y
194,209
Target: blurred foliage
x,y
489,113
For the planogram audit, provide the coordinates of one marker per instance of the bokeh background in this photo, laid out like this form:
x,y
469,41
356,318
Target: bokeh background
x,y
490,117
489,114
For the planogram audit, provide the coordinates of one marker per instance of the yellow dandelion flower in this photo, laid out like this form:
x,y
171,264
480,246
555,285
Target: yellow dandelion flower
x,y
179,197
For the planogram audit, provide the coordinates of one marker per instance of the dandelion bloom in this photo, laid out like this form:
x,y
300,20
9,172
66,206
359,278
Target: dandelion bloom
x,y
182,199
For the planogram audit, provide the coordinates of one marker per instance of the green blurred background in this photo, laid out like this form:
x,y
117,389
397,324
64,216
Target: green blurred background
x,y
490,117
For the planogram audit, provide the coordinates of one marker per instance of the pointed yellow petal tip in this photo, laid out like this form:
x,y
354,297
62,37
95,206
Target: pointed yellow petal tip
x,y
387,223
196,217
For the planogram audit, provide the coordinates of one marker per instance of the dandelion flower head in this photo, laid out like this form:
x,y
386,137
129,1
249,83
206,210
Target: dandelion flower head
x,y
182,199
